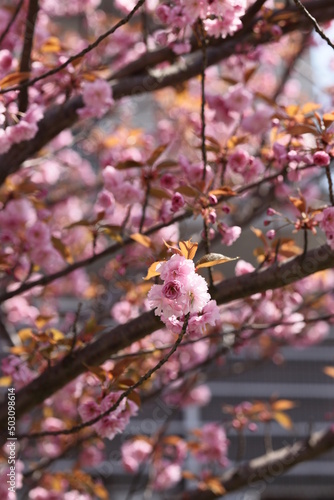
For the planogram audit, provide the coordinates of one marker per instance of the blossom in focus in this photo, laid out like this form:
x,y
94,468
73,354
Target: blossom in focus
x,y
184,291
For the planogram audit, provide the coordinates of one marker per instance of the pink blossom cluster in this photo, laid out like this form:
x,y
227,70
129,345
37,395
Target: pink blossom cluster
x,y
242,416
41,493
168,456
229,233
213,445
23,232
280,307
243,167
327,225
135,452
113,423
73,8
97,98
24,130
220,17
18,370
167,459
183,292
120,188
178,396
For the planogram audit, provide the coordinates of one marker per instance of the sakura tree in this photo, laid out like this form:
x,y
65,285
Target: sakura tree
x,y
118,214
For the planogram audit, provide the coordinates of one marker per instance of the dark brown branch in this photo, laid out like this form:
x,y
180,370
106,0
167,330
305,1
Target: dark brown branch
x,y
330,185
112,341
73,58
269,466
59,118
25,63
126,393
49,278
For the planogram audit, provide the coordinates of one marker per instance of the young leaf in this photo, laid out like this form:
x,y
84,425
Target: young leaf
x,y
55,334
329,370
97,371
188,249
302,129
134,396
259,234
299,203
187,191
52,44
213,259
14,78
283,404
152,270
283,419
328,119
142,239
174,250
156,153
42,320
128,164
25,333
83,222
160,193
62,249
187,474
309,107
213,484
5,381
223,191
166,164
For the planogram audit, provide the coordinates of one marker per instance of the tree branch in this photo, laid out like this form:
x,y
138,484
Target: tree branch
x,y
270,465
49,278
11,21
314,22
112,341
25,63
73,58
61,117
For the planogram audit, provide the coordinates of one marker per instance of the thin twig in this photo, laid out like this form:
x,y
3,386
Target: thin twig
x,y
11,21
314,22
82,53
89,423
204,155
203,145
45,280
